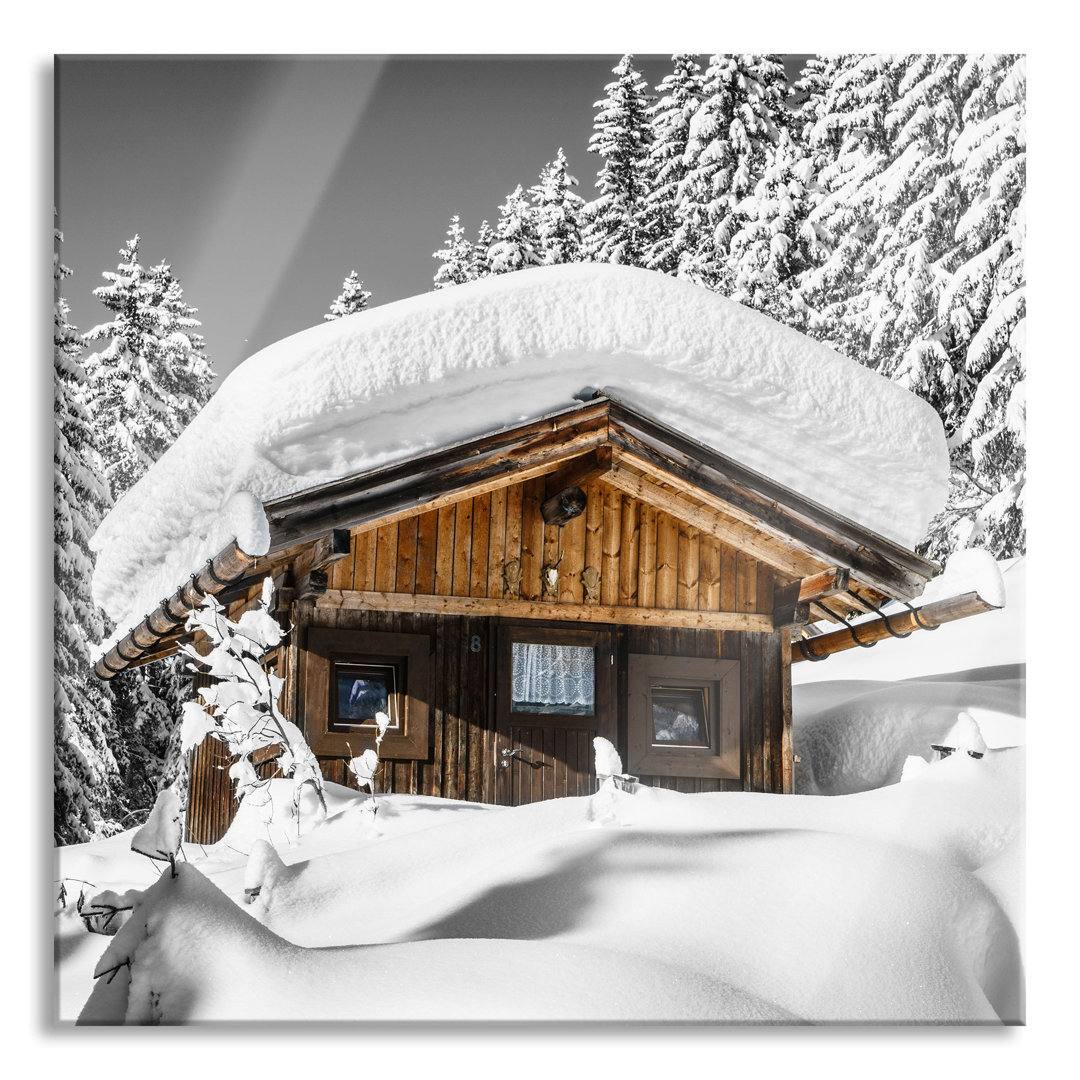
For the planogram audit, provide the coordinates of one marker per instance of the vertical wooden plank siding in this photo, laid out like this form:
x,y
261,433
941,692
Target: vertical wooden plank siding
x,y
647,557
408,535
480,539
496,543
386,557
745,582
708,574
667,560
364,568
462,556
444,551
513,533
572,556
427,527
532,538
609,562
687,592
594,531
629,552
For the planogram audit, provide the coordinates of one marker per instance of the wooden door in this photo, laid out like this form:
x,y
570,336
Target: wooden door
x,y
554,693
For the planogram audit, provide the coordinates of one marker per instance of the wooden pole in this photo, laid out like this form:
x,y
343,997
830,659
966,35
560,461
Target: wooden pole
x,y
904,622
169,616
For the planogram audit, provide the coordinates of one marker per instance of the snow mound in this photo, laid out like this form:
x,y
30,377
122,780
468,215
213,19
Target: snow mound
x,y
385,384
730,907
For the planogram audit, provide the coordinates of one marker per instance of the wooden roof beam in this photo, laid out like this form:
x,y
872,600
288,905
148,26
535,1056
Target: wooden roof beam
x,y
904,622
539,609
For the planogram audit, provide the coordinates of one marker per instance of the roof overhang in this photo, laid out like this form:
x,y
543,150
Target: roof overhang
x,y
601,437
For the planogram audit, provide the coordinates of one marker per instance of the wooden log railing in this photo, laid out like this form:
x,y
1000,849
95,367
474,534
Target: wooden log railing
x,y
900,623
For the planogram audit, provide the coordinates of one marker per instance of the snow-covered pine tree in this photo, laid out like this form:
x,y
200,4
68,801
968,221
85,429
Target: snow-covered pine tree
x,y
740,117
983,307
144,387
152,376
774,244
557,213
913,201
85,772
186,371
615,220
455,256
516,245
848,140
480,262
677,99
353,298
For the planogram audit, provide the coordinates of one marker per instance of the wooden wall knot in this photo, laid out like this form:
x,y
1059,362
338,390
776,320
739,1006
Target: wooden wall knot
x,y
590,578
512,577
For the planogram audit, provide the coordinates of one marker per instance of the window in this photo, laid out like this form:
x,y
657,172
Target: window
x,y
350,676
362,691
553,678
683,716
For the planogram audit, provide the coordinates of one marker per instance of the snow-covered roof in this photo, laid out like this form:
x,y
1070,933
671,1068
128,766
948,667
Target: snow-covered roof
x,y
385,384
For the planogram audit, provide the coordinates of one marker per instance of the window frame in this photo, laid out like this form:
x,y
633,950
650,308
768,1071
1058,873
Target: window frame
x,y
328,648
721,757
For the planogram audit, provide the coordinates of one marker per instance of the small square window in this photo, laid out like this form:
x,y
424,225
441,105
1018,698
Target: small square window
x,y
362,691
683,716
352,675
680,716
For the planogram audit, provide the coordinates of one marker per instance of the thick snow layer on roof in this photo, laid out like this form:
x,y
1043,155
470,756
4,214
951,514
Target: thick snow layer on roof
x,y
388,383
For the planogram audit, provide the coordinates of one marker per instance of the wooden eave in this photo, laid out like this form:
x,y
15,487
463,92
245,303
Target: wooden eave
x,y
795,534
602,438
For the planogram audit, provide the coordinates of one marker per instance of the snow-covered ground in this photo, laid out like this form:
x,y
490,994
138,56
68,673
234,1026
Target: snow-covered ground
x,y
898,901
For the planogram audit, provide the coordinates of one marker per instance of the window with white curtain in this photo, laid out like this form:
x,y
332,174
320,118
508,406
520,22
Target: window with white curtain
x,y
553,678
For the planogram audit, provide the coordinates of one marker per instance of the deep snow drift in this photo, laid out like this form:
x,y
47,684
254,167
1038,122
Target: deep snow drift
x,y
388,383
902,901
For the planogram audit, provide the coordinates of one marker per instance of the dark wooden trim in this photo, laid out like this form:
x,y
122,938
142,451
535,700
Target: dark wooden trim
x,y
326,646
722,758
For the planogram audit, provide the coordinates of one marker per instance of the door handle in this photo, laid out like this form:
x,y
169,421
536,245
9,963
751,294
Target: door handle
x,y
517,753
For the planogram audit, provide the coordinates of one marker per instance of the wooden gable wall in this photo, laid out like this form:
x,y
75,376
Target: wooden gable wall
x,y
645,557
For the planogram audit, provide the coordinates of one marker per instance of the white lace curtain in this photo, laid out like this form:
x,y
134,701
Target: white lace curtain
x,y
553,674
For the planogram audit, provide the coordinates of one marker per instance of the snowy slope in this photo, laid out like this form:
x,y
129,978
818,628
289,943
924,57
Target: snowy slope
x,y
384,384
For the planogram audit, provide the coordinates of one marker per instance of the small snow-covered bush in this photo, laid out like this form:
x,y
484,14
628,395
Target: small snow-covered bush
x,y
241,707
364,765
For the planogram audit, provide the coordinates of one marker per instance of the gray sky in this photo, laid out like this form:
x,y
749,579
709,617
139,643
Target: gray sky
x,y
265,181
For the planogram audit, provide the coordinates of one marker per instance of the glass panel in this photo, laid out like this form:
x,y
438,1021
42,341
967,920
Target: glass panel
x,y
362,691
553,678
680,716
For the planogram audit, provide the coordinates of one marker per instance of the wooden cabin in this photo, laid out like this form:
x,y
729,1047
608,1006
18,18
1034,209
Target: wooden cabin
x,y
508,598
